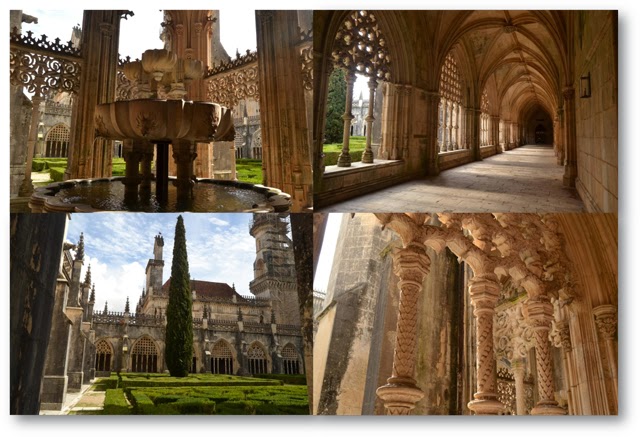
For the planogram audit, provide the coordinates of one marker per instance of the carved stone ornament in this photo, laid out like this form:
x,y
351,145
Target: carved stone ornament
x,y
360,47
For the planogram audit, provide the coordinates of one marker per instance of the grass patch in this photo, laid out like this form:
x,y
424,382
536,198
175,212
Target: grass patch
x,y
356,147
115,402
57,167
249,170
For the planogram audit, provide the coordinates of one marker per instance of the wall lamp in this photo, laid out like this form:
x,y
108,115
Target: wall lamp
x,y
585,86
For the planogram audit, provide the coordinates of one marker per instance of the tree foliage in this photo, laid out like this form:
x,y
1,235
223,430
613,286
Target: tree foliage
x,y
179,330
336,97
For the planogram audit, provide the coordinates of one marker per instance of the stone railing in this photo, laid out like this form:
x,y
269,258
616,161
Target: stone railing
x,y
43,66
289,329
56,108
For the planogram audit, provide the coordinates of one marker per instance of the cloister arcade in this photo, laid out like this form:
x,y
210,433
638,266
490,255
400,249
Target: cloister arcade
x,y
462,86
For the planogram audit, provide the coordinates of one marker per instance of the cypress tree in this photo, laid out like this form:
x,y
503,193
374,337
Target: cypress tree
x,y
179,330
336,100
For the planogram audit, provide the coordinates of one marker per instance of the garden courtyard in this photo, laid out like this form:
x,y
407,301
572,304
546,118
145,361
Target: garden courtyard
x,y
198,394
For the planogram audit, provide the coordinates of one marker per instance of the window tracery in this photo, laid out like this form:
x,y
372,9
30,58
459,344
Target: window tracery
x,y
257,359
57,142
103,356
484,119
360,48
290,362
144,356
450,106
222,359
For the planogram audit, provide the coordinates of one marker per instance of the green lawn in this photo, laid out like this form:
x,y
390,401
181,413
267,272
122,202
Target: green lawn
x,y
248,170
332,151
201,394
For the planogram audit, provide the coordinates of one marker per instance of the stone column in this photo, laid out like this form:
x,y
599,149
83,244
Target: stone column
x,y
145,185
433,120
607,322
495,132
344,160
449,113
367,155
559,137
567,361
484,291
441,123
540,312
35,246
454,127
476,135
283,118
26,188
131,175
90,157
518,368
400,394
570,163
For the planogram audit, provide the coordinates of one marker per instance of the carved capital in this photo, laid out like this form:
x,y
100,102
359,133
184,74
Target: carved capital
x,y
484,292
606,321
411,264
539,312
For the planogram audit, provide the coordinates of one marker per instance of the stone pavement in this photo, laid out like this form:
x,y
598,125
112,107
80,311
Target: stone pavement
x,y
526,179
84,400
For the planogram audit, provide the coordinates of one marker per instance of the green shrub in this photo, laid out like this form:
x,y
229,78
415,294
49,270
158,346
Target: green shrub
x,y
287,379
115,402
57,173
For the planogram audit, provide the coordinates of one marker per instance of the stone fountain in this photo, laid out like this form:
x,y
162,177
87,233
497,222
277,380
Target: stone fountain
x,y
148,121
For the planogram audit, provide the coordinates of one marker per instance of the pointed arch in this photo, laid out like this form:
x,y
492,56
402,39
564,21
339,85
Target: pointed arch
x,y
257,359
222,358
291,360
104,356
144,355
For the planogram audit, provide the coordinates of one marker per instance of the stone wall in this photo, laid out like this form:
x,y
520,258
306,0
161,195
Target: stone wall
x,y
596,46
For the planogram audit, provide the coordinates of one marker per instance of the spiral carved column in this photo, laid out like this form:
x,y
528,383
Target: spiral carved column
x,y
540,313
400,394
484,293
518,368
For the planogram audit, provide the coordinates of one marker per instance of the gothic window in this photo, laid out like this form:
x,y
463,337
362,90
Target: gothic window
x,y
103,356
290,362
484,120
57,142
450,108
257,359
360,48
144,356
221,358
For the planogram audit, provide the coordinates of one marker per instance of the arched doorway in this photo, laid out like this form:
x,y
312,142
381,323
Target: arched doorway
x,y
57,142
290,361
540,134
257,359
221,358
104,352
144,356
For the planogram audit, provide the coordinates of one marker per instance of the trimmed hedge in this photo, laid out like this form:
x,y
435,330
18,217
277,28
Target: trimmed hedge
x,y
287,379
331,158
220,400
115,402
40,164
57,173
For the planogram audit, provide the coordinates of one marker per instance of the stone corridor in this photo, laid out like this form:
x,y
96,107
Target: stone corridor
x,y
526,179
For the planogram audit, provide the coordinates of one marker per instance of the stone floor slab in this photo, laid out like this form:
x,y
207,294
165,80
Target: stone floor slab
x,y
526,179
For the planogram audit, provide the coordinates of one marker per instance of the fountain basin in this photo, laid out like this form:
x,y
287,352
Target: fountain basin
x,y
157,120
107,194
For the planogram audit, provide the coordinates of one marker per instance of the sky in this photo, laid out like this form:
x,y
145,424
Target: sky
x,y
323,269
142,31
118,246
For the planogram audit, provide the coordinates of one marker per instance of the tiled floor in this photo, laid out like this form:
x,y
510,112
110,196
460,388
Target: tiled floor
x,y
526,179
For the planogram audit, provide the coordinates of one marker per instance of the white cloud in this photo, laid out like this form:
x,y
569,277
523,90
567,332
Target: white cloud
x,y
115,282
218,222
